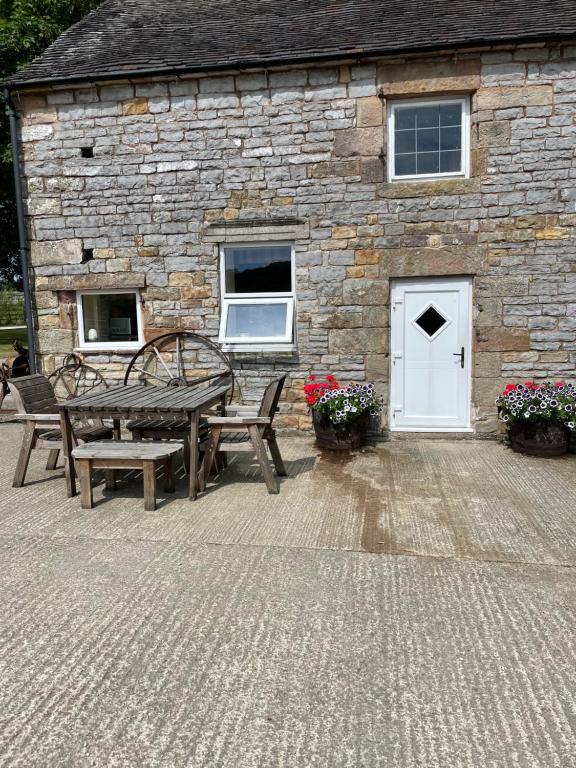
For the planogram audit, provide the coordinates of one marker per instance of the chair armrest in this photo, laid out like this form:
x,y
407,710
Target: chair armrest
x,y
237,420
55,417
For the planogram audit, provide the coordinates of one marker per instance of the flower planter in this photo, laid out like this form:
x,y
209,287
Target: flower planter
x,y
538,439
339,437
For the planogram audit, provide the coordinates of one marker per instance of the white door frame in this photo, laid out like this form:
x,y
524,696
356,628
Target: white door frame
x,y
437,282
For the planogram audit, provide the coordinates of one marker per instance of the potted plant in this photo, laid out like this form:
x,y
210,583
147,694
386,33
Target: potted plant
x,y
539,417
341,413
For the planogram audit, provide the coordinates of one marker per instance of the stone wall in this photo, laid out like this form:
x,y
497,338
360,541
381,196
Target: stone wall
x,y
179,164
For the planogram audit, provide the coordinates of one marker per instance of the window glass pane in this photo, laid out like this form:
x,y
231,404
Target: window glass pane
x,y
405,117
450,161
428,162
451,114
256,320
405,165
428,117
450,138
428,140
405,141
110,317
266,269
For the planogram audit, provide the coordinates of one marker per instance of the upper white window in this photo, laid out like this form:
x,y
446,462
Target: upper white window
x,y
257,288
429,138
109,320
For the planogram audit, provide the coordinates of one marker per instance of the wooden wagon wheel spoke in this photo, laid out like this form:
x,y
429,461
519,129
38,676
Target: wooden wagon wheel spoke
x,y
150,374
69,389
161,359
179,359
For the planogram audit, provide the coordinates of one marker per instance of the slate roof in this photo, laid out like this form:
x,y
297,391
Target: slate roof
x,y
167,36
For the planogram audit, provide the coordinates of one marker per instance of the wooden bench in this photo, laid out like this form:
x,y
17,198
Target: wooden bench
x,y
113,454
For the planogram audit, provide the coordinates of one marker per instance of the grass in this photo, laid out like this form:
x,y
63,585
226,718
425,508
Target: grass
x,y
7,338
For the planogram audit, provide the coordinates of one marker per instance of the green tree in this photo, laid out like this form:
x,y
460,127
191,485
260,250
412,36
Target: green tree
x,y
27,27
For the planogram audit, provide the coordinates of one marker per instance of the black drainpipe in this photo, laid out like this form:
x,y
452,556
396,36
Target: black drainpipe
x,y
22,234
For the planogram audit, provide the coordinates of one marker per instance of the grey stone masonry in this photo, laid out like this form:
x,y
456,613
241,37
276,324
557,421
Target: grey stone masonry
x,y
177,164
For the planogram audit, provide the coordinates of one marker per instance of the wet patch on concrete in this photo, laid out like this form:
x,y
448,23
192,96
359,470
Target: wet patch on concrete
x,y
433,498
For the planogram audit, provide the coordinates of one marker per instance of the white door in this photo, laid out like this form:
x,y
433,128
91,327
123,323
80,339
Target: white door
x,y
430,352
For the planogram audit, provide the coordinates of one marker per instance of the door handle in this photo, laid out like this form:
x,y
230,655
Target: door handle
x,y
460,355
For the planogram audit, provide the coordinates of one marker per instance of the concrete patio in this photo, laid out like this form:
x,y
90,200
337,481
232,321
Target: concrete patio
x,y
412,605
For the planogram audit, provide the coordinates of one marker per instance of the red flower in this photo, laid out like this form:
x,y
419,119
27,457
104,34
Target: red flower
x,y
310,399
312,378
530,384
558,383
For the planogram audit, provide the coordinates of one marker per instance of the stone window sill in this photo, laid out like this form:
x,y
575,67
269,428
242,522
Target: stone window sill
x,y
258,348
107,350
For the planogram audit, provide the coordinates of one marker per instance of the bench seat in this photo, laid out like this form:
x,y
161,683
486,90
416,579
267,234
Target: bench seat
x,y
111,455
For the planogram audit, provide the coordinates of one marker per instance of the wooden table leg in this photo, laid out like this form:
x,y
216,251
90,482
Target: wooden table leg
x,y
194,419
149,471
68,445
85,470
110,479
116,429
169,485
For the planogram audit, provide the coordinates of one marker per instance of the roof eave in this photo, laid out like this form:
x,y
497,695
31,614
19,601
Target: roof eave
x,y
13,84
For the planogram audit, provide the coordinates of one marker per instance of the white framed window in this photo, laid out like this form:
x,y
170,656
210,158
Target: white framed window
x,y
429,138
257,288
109,319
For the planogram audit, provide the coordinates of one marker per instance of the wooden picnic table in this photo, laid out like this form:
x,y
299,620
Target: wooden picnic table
x,y
140,401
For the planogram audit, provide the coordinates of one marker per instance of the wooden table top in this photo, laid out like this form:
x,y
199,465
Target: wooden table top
x,y
146,399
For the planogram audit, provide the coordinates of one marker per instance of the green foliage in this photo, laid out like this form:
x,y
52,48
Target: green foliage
x,y
11,307
27,28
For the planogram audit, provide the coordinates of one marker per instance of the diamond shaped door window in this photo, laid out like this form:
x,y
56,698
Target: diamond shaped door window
x,y
430,322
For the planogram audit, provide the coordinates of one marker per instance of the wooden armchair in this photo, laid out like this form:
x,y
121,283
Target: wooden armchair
x,y
243,428
38,408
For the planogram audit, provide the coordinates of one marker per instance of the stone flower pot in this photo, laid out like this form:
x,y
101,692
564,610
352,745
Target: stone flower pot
x,y
538,439
339,437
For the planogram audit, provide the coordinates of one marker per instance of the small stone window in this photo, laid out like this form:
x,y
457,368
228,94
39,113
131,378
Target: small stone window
x,y
87,152
429,139
109,320
257,288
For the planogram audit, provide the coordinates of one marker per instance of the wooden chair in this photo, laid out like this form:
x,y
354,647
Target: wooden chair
x,y
38,408
242,428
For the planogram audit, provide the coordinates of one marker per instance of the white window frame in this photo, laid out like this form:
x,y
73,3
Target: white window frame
x,y
464,172
265,343
84,344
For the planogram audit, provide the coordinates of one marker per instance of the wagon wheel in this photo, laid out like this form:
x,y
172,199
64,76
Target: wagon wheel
x,y
74,378
4,376
179,359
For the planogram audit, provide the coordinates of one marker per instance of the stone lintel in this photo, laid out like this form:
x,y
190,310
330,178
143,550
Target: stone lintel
x,y
96,281
431,262
256,230
429,77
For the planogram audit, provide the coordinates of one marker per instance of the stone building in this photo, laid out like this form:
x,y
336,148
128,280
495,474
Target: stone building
x,y
320,190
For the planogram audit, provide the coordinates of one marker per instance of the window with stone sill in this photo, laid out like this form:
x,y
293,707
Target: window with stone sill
x,y
257,289
109,320
429,139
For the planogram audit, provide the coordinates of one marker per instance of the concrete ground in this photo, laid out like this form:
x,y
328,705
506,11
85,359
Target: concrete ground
x,y
412,605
